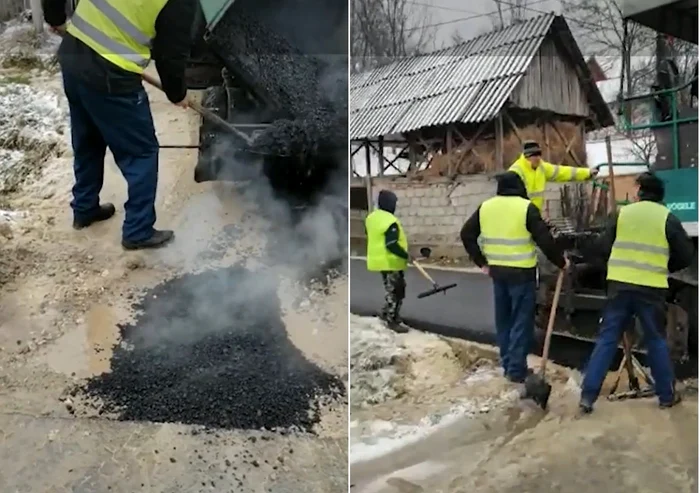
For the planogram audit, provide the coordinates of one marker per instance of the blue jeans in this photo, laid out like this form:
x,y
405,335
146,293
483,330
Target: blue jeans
x,y
123,123
618,315
515,324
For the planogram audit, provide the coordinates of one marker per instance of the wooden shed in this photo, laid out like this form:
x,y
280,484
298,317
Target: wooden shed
x,y
467,109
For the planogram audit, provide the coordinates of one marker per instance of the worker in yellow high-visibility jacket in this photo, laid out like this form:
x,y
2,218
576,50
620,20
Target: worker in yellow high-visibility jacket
x,y
387,253
642,245
107,45
536,172
500,237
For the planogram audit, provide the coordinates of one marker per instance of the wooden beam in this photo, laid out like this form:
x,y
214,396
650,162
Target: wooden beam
x,y
468,146
368,178
500,158
381,155
368,158
515,128
448,147
611,175
546,141
383,159
569,150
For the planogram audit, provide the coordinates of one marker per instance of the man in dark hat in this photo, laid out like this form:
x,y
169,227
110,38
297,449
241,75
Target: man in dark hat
x,y
500,238
642,245
535,172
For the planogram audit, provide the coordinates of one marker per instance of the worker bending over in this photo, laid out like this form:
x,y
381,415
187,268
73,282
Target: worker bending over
x,y
644,243
106,46
500,238
536,172
387,252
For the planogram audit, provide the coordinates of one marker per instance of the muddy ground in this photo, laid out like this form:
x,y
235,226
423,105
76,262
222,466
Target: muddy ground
x,y
431,414
64,294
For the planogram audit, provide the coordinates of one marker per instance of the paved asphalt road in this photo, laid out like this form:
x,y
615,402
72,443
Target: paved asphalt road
x,y
465,311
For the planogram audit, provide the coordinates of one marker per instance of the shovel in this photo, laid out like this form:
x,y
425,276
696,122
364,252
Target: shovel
x,y
536,386
425,251
203,112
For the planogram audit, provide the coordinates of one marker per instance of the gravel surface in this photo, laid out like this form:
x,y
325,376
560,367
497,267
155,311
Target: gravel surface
x,y
304,82
205,353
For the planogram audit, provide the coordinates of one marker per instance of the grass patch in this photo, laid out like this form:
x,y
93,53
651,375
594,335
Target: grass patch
x,y
15,79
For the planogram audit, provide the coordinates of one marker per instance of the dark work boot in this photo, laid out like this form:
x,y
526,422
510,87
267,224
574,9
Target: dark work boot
x,y
157,240
676,400
104,212
396,326
585,406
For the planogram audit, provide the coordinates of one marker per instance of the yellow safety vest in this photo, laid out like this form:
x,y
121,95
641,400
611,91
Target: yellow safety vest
x,y
535,180
504,238
378,257
640,252
121,31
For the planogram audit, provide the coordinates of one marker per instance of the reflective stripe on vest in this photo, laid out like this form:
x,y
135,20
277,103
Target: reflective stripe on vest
x,y
378,257
504,238
640,252
109,32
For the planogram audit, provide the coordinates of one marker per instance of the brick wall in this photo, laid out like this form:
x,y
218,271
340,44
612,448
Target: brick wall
x,y
433,212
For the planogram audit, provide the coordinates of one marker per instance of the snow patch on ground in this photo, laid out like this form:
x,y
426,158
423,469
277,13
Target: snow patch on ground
x,y
33,128
22,47
372,439
417,383
374,350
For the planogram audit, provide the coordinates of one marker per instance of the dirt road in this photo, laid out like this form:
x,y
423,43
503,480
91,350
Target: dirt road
x,y
65,294
453,425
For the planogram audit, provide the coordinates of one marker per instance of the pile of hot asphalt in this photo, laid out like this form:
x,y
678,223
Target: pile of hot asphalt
x,y
204,352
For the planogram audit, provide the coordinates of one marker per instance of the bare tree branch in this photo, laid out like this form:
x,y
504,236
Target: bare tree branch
x,y
383,30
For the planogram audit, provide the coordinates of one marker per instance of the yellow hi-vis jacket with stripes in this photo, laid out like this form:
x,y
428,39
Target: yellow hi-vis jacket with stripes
x,y
640,252
121,31
535,180
504,238
378,257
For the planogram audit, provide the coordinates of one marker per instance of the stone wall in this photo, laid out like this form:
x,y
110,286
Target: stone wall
x,y
434,211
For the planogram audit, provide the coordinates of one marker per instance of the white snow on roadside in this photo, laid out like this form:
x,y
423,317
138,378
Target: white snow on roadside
x,y
385,365
372,439
373,349
18,37
33,124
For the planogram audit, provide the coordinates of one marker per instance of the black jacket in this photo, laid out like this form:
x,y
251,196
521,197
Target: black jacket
x,y
512,186
170,51
681,251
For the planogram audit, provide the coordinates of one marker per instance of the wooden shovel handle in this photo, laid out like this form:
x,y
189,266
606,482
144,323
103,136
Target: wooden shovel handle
x,y
550,323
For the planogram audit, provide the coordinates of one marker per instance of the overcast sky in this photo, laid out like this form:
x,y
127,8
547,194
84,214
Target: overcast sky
x,y
451,11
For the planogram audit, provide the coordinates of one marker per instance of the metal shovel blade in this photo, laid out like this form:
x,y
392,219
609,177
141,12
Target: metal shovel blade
x,y
537,389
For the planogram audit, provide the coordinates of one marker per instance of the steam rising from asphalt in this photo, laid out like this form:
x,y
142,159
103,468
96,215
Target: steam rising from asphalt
x,y
291,242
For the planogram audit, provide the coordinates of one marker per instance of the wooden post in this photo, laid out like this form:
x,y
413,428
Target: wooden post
x,y
381,155
368,177
448,149
611,174
37,15
546,142
500,165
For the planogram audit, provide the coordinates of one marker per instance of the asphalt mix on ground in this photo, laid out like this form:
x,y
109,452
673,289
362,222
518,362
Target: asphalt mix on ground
x,y
209,349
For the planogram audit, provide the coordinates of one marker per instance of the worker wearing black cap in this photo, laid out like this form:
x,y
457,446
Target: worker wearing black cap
x,y
500,238
642,245
536,172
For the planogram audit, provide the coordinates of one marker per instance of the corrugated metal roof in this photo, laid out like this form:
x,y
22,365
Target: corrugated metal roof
x,y
468,83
